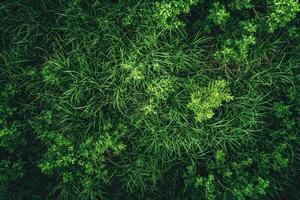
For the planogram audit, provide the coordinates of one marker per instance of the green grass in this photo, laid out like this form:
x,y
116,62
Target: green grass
x,y
138,100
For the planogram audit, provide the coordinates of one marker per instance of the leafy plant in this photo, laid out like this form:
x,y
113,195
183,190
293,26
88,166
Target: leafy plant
x,y
168,11
206,99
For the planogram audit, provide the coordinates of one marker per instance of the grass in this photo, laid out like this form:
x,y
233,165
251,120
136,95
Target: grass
x,y
99,101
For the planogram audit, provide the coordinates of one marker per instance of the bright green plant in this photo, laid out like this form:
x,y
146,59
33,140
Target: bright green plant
x,y
205,100
281,12
168,11
218,14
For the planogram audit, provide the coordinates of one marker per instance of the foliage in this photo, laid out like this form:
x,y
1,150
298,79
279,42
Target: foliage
x,y
218,14
281,12
167,12
206,99
166,99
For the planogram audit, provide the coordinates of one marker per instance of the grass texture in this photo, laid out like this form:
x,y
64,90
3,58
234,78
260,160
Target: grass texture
x,y
168,99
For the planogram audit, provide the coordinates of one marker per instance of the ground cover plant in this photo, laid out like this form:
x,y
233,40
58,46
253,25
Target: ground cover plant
x,y
164,99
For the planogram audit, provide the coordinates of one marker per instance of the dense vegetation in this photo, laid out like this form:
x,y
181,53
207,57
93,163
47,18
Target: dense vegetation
x,y
166,99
